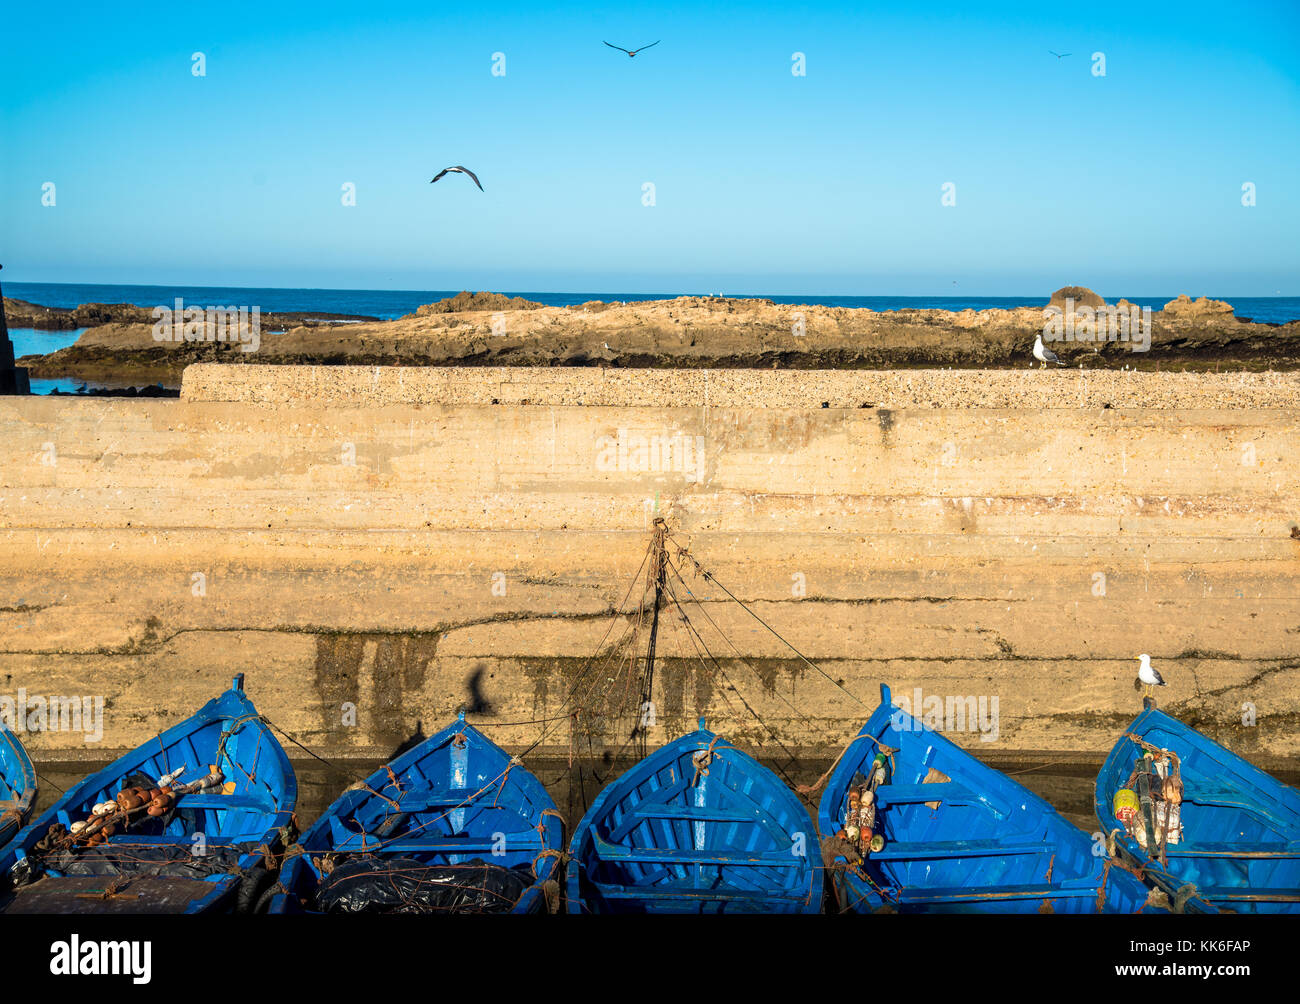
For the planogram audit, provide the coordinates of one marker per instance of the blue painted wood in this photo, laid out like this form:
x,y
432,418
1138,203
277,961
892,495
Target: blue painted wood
x,y
462,798
17,786
1241,826
991,845
675,834
262,802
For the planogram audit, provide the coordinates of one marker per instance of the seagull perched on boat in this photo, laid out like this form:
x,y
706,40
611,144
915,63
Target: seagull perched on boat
x,y
457,170
1149,677
1045,355
633,52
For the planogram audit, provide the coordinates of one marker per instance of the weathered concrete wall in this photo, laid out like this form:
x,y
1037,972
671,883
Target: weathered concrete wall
x,y
348,553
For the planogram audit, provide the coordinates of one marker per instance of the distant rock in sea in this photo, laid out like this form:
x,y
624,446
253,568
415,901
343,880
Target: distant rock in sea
x,y
1200,309
467,301
1081,295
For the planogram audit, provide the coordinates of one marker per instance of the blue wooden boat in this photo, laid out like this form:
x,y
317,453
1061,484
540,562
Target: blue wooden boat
x,y
232,796
698,826
968,839
1240,841
17,785
453,825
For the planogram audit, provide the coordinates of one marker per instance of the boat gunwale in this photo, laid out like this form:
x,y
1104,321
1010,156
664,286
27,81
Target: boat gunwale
x,y
26,795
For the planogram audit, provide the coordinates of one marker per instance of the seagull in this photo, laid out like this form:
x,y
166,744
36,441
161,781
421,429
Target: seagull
x,y
1149,677
1060,55
458,170
1045,355
633,52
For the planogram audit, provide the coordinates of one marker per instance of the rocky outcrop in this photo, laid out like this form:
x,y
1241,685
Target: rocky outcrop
x,y
1081,295
22,314
465,302
1200,309
692,333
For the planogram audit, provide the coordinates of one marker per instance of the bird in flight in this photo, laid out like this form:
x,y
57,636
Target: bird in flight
x,y
1060,55
1043,354
1149,676
458,170
633,52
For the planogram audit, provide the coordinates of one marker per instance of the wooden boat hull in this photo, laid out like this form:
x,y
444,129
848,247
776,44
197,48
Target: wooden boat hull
x,y
202,856
17,786
1241,827
976,843
696,827
453,800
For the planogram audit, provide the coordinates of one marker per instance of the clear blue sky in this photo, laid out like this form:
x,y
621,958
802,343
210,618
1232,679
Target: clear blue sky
x,y
765,182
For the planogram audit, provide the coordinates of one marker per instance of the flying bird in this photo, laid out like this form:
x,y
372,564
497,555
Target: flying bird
x,y
1045,355
633,52
1149,677
1060,55
458,170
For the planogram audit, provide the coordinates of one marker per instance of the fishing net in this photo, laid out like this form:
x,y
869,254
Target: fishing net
x,y
367,884
169,860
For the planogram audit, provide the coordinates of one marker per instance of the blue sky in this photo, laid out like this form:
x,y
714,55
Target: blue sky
x,y
764,181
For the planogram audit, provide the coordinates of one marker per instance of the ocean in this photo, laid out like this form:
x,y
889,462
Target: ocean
x,y
390,303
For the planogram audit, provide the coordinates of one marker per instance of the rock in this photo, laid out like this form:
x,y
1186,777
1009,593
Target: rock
x,y
1081,295
1200,309
467,301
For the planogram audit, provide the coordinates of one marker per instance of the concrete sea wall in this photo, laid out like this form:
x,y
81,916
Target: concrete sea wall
x,y
376,547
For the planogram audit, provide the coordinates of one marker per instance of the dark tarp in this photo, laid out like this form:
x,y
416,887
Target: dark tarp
x,y
369,884
168,860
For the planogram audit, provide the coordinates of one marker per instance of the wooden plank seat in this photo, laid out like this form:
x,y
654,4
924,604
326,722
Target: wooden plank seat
x,y
436,844
1070,889
662,806
1242,894
1207,849
1231,798
255,803
606,851
909,850
940,791
673,891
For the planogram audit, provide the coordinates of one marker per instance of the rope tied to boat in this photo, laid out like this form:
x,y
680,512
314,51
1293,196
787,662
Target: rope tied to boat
x,y
702,758
888,751
362,786
513,762
541,822
1101,889
1184,893
546,852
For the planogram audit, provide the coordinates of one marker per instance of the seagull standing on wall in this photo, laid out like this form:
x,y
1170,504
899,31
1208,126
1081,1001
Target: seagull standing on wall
x,y
1150,677
1045,355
